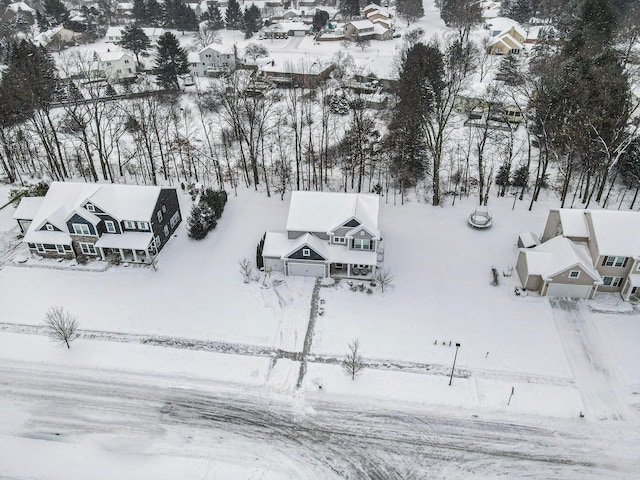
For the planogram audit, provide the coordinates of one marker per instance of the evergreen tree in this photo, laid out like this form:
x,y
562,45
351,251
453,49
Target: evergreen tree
x,y
520,177
233,17
252,20
195,227
519,10
28,83
55,11
41,20
155,13
139,12
350,8
320,19
171,61
410,10
134,39
214,20
180,16
510,71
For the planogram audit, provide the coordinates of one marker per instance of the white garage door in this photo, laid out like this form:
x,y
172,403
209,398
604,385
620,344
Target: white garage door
x,y
275,264
575,291
306,269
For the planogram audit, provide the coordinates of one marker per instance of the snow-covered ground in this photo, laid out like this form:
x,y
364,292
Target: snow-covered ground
x,y
194,326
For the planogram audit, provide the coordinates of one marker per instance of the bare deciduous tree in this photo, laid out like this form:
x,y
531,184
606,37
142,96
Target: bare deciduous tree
x,y
61,326
384,279
246,269
353,363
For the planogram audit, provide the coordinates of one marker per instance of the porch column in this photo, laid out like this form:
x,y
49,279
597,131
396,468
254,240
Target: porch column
x,y
146,252
626,289
101,252
121,254
135,255
348,269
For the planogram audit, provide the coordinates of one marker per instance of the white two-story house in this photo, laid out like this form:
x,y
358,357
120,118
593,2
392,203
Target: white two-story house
x,y
327,234
212,60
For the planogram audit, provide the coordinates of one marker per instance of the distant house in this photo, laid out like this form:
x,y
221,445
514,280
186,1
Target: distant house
x,y
302,73
327,234
377,14
130,222
212,60
507,36
114,34
366,30
584,252
116,65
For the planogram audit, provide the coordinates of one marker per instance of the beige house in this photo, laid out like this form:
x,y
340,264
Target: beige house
x,y
116,66
584,252
505,44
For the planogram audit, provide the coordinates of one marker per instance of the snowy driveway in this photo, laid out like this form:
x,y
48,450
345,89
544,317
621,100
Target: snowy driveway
x,y
141,426
603,393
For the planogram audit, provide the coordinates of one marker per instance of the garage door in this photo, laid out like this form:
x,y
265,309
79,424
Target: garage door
x,y
306,269
274,264
562,290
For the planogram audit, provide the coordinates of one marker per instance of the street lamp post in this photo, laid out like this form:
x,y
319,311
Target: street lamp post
x,y
454,363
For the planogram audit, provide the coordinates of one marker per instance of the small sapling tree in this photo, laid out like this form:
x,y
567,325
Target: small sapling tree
x,y
246,269
352,362
195,227
61,326
384,279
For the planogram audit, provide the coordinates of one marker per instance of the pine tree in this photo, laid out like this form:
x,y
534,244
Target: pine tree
x,y
410,10
215,20
171,61
134,39
233,17
195,228
251,20
350,8
55,11
139,12
320,19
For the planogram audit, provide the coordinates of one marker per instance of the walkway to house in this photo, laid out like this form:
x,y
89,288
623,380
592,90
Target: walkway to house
x,y
602,391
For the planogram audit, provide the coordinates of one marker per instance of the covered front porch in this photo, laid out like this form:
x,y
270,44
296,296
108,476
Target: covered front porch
x,y
134,247
352,270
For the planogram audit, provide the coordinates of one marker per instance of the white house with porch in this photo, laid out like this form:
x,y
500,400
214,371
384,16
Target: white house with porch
x,y
327,234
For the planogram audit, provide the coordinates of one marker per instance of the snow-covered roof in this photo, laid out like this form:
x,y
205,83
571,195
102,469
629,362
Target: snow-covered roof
x,y
362,24
303,66
380,29
507,40
112,56
20,7
127,202
500,25
220,49
27,208
574,223
46,236
134,240
616,232
61,199
558,255
528,239
325,211
125,6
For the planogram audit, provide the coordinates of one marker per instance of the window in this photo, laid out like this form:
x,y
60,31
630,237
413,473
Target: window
x,y
126,61
110,226
164,209
612,281
143,226
90,207
574,273
362,233
40,247
362,244
159,216
174,219
340,240
81,229
49,227
515,50
128,224
306,252
157,241
614,261
166,230
60,249
87,248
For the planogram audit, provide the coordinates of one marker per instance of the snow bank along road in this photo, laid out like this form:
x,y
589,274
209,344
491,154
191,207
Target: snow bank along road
x,y
289,437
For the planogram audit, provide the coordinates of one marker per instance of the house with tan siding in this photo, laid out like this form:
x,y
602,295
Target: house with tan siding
x,y
584,252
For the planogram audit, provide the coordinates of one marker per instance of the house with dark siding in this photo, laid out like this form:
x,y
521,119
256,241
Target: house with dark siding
x,y
327,234
130,223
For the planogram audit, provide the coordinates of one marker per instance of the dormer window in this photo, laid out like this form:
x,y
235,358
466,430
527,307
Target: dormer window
x,y
340,240
574,273
143,226
49,227
306,252
90,207
129,225
362,233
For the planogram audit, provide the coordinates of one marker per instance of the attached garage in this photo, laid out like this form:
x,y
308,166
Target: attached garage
x,y
567,290
273,264
306,269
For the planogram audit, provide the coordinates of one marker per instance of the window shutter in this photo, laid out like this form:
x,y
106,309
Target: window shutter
x,y
626,259
604,260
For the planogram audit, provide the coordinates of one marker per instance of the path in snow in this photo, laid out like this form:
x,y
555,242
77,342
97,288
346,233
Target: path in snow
x,y
603,394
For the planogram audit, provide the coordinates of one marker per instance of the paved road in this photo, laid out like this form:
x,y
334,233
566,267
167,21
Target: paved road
x,y
297,438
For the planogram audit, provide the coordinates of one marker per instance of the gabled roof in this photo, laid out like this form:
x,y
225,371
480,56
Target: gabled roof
x,y
574,223
218,48
361,24
112,56
126,202
27,208
313,242
616,232
61,199
504,24
325,211
506,39
558,255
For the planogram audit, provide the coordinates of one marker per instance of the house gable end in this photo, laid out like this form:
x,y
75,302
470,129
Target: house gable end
x,y
76,218
298,254
45,228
